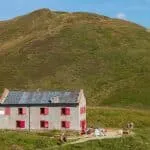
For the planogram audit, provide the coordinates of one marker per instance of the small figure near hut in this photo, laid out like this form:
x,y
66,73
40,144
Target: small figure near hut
x,y
63,138
130,125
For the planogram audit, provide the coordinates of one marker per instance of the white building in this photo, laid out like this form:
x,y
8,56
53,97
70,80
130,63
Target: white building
x,y
45,110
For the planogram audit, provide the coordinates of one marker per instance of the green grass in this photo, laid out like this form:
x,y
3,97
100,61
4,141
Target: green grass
x,y
11,140
117,117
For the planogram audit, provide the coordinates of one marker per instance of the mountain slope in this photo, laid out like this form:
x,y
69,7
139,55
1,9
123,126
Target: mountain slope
x,y
107,57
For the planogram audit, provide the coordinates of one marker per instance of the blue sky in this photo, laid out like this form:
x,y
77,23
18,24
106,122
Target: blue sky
x,y
137,11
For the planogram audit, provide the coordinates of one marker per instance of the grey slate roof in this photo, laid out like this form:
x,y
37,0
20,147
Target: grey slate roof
x,y
21,97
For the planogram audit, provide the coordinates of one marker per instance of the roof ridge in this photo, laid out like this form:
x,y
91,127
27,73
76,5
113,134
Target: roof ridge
x,y
41,97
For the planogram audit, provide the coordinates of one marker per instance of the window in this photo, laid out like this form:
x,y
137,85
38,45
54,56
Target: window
x,y
44,124
83,123
44,111
65,124
7,111
20,124
65,111
21,111
82,110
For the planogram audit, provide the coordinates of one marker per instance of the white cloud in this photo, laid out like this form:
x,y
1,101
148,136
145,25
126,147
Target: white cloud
x,y
121,16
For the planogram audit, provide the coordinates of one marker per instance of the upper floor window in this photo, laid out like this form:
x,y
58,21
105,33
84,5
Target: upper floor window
x,y
7,111
44,111
65,111
83,110
22,111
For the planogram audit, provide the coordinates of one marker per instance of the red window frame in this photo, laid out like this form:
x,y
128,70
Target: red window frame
x,y
83,123
7,111
44,111
21,111
83,110
44,124
20,124
65,111
65,124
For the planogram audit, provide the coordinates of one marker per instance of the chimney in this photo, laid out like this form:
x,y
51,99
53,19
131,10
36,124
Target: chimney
x,y
81,91
4,95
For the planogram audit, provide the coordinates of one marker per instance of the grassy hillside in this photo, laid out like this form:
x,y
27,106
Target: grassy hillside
x,y
148,29
108,58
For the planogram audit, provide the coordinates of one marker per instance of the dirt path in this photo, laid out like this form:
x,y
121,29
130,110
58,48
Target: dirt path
x,y
85,139
82,140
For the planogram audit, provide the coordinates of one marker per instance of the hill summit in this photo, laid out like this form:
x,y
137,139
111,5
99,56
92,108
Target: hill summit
x,y
108,58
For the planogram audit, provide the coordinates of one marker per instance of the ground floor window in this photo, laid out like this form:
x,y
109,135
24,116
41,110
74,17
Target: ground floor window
x,y
20,124
44,124
65,124
83,124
